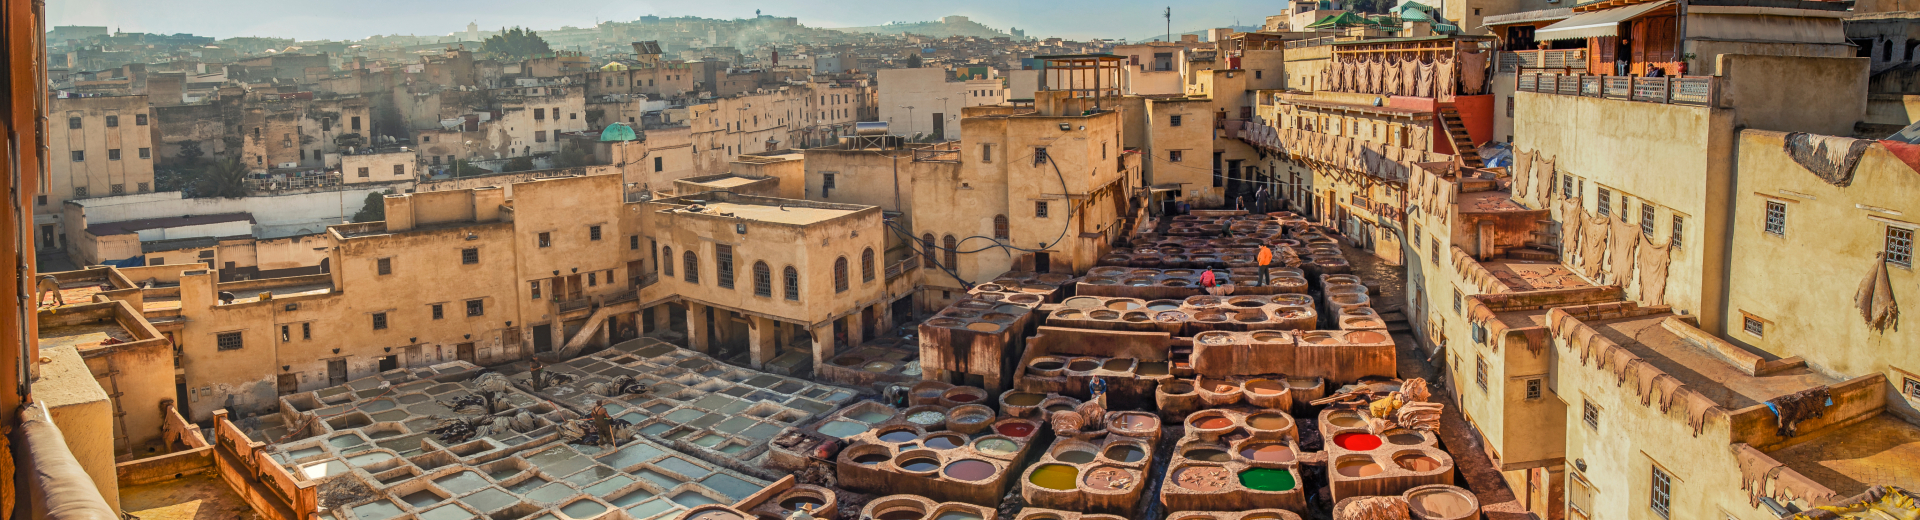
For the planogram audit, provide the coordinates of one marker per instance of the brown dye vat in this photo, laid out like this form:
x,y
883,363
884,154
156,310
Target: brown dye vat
x,y
1346,420
1203,301
1269,421
958,313
1245,302
1081,302
1441,503
1222,388
1082,365
1213,338
1103,314
1124,305
1068,314
1136,282
1202,478
1207,454
1152,368
943,322
1417,462
1268,336
1250,316
1170,317
1124,453
944,442
1024,299
1024,398
1134,422
902,514
1044,364
870,459
796,503
1099,281
993,287
1359,467
1290,313
1265,387
716,514
1177,388
849,361
1365,336
1319,338
999,318
1136,317
971,470
1110,478
983,327
1176,283
1267,453
1405,438
1117,364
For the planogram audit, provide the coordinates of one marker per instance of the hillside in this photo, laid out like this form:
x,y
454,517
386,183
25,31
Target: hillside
x,y
1202,33
942,28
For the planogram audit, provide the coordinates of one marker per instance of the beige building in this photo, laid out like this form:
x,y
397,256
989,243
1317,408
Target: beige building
x,y
926,103
98,147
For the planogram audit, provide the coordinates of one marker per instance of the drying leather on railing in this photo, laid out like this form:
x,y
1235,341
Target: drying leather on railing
x,y
1829,157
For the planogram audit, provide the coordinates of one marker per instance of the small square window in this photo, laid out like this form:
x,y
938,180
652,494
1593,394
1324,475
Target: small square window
x,y
144,187
1910,386
113,154
1662,493
1753,326
1175,156
113,121
476,307
1533,388
593,233
140,119
546,239
229,341
78,155
383,266
117,189
438,311
535,286
363,172
1040,155
1175,120
399,169
379,321
73,123
1040,209
1590,414
470,255
146,153
1776,218
1900,246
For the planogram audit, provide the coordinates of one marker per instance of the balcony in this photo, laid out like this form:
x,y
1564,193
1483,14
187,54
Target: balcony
x,y
1567,61
1673,90
902,267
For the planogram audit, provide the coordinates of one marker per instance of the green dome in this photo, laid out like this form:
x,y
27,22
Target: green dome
x,y
618,132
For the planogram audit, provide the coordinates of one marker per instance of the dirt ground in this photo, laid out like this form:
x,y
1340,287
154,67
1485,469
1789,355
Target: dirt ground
x,y
199,496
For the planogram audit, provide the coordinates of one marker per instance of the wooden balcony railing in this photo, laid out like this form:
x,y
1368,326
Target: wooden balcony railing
x,y
572,305
903,267
1571,61
1675,90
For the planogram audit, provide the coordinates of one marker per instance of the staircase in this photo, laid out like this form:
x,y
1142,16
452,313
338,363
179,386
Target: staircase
x,y
1397,322
1456,130
587,333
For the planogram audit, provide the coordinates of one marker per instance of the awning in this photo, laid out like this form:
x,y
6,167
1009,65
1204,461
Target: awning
x,y
1595,23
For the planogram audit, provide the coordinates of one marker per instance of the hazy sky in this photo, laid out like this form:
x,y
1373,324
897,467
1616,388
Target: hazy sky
x,y
355,19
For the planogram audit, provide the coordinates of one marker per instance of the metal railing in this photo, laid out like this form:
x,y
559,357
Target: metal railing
x,y
1568,60
294,183
1675,90
1313,42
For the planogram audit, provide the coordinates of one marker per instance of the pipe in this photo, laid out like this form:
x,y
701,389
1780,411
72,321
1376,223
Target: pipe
x,y
59,486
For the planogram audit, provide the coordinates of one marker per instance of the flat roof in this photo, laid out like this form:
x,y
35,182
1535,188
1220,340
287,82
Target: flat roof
x,y
84,336
728,182
131,226
1877,451
282,291
1396,111
1529,275
1488,202
800,215
1701,370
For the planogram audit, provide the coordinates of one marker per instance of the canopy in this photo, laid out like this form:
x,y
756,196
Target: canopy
x,y
618,132
1595,23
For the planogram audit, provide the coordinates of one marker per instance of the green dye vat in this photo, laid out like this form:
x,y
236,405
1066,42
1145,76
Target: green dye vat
x,y
552,493
461,482
958,515
1267,479
997,446
871,417
583,509
691,499
709,441
369,458
650,508
630,498
446,512
842,429
381,510
489,499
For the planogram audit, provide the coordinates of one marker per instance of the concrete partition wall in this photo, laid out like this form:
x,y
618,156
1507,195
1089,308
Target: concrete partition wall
x,y
1794,93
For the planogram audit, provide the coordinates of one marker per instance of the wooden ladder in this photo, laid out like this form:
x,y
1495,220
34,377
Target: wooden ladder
x,y
1457,132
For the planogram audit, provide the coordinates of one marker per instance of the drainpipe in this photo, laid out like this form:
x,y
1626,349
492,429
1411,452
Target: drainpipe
x,y
58,486
1680,35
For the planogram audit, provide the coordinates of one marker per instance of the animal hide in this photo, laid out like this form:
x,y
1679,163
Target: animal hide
x,y
1410,76
1473,72
1625,235
1875,297
1522,172
1698,408
1593,244
1445,78
1390,78
1655,258
1543,178
1789,410
1829,157
1376,508
1425,86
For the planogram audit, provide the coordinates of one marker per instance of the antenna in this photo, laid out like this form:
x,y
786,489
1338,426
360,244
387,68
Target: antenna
x,y
1169,16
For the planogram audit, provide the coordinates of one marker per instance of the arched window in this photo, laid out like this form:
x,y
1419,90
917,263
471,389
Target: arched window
x,y
793,283
840,274
667,266
926,250
762,280
1000,227
952,254
866,265
692,265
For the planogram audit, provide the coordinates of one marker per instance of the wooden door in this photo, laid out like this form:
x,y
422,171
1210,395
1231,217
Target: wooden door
x,y
336,372
464,352
289,384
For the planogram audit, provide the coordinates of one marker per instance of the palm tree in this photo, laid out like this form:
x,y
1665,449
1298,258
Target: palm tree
x,y
226,179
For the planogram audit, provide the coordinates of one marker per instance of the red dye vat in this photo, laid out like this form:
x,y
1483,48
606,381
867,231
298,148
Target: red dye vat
x,y
963,398
1016,429
1213,423
1357,441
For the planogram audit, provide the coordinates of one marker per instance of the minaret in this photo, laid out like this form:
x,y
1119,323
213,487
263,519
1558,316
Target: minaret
x,y
473,32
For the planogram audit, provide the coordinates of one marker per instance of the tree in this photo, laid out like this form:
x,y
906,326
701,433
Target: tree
x,y
462,168
515,43
518,164
374,209
573,157
913,62
594,115
190,152
227,179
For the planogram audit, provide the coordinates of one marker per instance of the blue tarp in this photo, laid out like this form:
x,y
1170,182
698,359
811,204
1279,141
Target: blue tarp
x,y
137,261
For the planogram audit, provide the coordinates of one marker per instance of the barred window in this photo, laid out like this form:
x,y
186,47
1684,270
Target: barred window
x,y
1753,326
691,263
866,265
593,232
229,341
667,266
840,274
1533,388
1480,372
1679,223
762,280
926,250
1662,493
470,255
383,266
723,265
476,307
1776,218
1590,414
379,321
952,253
1900,246
792,277
1000,227
1605,206
1646,220
439,311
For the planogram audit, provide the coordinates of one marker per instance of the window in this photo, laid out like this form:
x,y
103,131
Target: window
x,y
363,172
1039,156
593,279
826,183
147,153
1910,386
379,321
791,277
1456,301
476,307
539,137
383,266
762,280
470,256
1509,106
285,334
667,267
952,253
1040,209
306,331
1753,326
117,189
1900,246
1590,414
658,164
545,239
145,187
1605,206
534,286
1776,218
399,169
633,242
926,250
1000,227
539,114
1646,219
113,154
866,265
1679,223
1416,235
1433,246
691,264
1175,156
113,121
840,274
1566,189
1662,492
1533,388
723,265
986,153
593,232
1175,121
228,340
73,123
439,311
1480,372
40,200
78,155
80,192
356,122
1580,496
140,119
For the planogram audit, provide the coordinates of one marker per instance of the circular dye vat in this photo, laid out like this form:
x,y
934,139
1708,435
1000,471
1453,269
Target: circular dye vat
x,y
1075,456
1405,438
1117,364
958,515
1109,478
1265,387
1212,423
1268,453
1442,503
1126,453
1417,462
920,464
971,470
1015,429
962,397
870,459
944,442
1024,398
849,361
1135,422
1346,420
1365,336
842,429
1123,305
1162,305
800,502
1269,421
902,514
1357,441
996,446
1082,365
883,366
1356,468
983,327
1059,407
1267,479
1201,478
1059,477
1208,454
898,436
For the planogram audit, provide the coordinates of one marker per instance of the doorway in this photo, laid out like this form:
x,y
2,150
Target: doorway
x,y
542,338
464,352
289,384
389,363
336,372
1042,262
939,126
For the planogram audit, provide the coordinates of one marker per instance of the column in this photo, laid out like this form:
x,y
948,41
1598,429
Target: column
x,y
697,327
662,318
822,343
855,331
761,335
